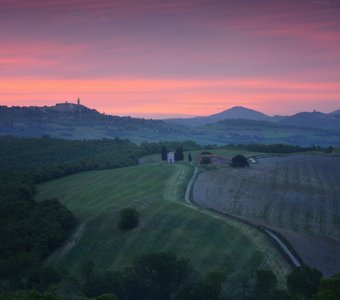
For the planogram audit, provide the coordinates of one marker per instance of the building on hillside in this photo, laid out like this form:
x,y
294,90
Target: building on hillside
x,y
67,106
171,157
216,159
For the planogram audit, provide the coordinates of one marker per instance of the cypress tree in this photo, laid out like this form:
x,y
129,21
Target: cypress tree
x,y
177,154
181,154
164,154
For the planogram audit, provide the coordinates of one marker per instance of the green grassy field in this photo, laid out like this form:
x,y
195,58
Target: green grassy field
x,y
167,223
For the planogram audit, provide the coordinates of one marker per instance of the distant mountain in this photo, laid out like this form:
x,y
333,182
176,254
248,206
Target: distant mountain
x,y
236,112
237,125
239,112
313,120
335,112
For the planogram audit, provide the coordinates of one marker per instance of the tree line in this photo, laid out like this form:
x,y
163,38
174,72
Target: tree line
x,y
169,277
278,148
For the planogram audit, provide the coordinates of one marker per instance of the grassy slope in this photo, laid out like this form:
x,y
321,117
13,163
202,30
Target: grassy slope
x,y
167,223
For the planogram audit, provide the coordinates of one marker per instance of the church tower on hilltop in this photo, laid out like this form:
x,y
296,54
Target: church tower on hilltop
x,y
78,101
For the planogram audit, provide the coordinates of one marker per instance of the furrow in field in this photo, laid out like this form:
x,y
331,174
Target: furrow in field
x,y
210,241
179,232
139,241
205,258
162,224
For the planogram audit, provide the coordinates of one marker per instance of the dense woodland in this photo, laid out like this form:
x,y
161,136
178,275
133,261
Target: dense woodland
x,y
30,231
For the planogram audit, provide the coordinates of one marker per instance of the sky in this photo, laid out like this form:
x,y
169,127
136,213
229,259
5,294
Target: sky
x,y
166,58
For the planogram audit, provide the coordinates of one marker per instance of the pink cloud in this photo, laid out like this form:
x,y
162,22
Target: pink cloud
x,y
120,96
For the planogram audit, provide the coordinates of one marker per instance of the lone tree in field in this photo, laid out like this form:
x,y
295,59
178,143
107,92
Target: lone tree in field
x,y
129,218
164,153
239,161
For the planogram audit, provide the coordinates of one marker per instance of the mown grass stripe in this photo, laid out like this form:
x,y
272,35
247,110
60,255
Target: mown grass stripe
x,y
167,223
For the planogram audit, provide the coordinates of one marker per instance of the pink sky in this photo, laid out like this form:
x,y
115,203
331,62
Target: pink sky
x,y
165,58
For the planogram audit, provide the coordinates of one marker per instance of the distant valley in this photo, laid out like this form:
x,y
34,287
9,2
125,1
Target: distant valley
x,y
238,125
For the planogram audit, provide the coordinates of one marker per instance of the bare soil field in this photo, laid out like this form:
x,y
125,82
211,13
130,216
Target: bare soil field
x,y
297,196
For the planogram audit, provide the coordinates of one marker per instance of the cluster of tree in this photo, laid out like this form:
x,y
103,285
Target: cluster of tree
x,y
153,277
179,155
329,289
166,276
29,232
239,161
162,147
330,149
49,158
278,148
303,283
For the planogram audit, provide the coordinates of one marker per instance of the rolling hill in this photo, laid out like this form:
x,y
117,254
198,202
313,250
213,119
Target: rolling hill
x,y
335,112
72,121
314,120
236,112
157,192
238,125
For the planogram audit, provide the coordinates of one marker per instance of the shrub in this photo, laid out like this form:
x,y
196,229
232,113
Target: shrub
x,y
239,161
129,218
304,281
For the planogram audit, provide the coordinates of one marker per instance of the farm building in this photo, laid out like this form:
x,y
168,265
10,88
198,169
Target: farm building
x,y
171,157
216,159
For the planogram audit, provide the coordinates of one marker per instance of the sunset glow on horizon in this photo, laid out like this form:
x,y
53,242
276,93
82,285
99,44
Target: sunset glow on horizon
x,y
153,58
